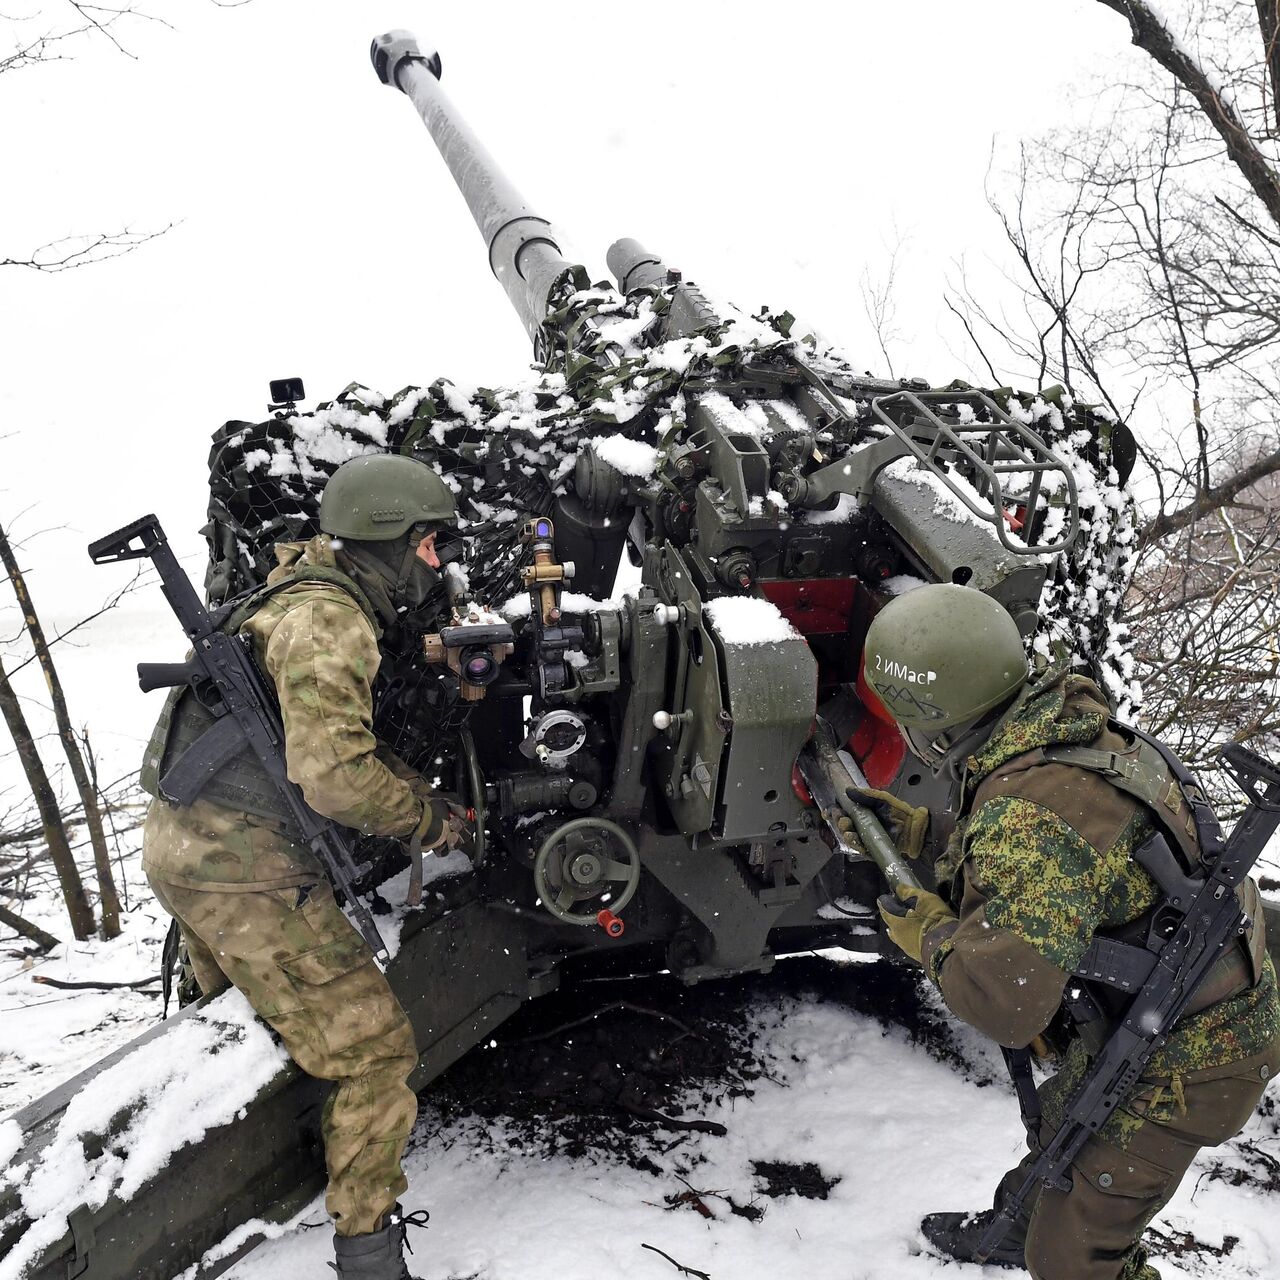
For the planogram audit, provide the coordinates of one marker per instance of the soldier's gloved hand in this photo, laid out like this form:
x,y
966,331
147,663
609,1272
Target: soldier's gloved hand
x,y
444,824
908,824
911,914
442,828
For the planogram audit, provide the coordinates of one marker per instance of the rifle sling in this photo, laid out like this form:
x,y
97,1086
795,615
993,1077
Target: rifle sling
x,y
1018,1062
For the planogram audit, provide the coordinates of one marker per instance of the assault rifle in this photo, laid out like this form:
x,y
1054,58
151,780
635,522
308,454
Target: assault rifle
x,y
223,674
1211,920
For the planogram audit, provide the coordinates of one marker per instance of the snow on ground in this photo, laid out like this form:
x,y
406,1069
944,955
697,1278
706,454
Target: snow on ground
x,y
49,1035
902,1132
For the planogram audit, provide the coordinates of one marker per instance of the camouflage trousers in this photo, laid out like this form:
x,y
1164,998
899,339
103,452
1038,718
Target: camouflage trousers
x,y
310,976
1122,1178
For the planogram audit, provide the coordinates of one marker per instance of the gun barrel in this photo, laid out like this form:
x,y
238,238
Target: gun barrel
x,y
634,267
523,250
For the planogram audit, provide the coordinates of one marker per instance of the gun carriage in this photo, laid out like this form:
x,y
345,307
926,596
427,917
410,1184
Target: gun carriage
x,y
645,797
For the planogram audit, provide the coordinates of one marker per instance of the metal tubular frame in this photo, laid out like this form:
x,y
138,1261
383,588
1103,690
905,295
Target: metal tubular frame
x,y
1009,447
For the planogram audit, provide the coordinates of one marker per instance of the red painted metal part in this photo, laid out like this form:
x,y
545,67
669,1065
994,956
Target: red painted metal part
x,y
878,747
867,696
814,606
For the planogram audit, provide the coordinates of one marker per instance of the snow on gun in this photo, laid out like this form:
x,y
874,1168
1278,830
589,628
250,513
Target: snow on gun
x,y
773,500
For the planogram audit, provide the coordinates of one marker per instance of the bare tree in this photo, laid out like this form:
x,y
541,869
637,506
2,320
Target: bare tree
x,y
49,35
107,896
52,827
1148,248
879,301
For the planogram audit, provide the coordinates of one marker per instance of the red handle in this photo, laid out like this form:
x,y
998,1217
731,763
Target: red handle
x,y
611,924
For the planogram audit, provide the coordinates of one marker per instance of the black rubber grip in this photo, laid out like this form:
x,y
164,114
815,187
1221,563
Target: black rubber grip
x,y
163,675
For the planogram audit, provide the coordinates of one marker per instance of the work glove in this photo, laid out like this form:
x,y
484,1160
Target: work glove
x,y
446,824
444,816
909,915
441,825
907,824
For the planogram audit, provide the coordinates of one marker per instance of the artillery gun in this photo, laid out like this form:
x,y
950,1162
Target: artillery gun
x,y
633,759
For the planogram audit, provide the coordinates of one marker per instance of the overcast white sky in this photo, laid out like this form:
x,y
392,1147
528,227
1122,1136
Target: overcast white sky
x,y
774,152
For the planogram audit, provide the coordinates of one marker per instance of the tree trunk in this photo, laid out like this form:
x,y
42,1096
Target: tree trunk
x,y
88,794
1149,33
1269,28
55,834
25,929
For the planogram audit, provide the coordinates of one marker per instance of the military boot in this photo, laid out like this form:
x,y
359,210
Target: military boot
x,y
379,1255
957,1235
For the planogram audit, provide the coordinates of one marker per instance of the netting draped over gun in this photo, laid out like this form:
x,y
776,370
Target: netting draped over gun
x,y
1202,914
223,674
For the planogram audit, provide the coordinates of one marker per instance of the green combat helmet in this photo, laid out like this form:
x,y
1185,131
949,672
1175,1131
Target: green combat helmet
x,y
939,658
381,496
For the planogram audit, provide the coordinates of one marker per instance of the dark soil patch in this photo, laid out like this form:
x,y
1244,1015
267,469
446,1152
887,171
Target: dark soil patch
x,y
1182,1244
781,1178
1261,1169
626,1069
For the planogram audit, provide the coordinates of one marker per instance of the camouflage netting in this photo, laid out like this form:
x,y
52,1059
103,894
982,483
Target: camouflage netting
x,y
508,451
1081,607
505,452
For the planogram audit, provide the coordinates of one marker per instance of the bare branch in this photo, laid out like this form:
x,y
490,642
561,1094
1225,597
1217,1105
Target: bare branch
x,y
1210,500
1151,35
880,304
110,603
82,251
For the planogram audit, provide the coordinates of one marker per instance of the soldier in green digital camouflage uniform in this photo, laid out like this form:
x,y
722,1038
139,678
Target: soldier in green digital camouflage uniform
x,y
252,903
1039,864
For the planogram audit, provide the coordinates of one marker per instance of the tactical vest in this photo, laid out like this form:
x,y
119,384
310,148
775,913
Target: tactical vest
x,y
239,784
1125,770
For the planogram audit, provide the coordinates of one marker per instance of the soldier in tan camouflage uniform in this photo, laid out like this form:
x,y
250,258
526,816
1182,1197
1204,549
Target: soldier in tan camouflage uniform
x,y
1041,863
252,903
